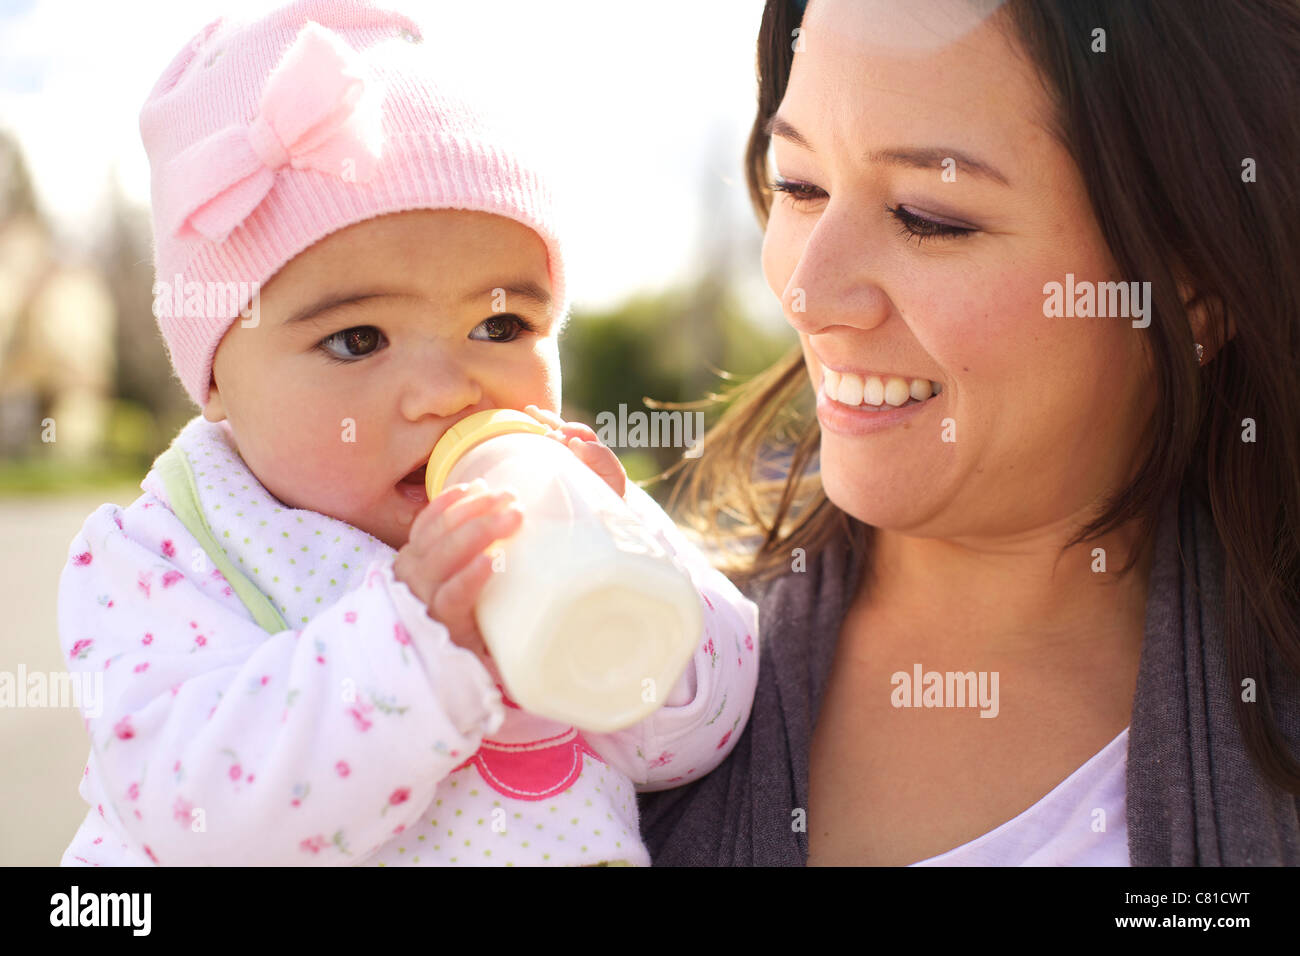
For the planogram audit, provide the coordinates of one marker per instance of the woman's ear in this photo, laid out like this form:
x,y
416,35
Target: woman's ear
x,y
1205,316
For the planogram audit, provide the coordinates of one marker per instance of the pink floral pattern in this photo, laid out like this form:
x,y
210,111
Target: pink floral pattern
x,y
661,761
183,811
411,736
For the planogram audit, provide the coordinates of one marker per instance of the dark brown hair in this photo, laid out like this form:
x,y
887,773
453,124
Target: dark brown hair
x,y
1160,127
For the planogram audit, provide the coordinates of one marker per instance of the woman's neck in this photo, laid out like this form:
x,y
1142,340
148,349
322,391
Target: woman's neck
x,y
1018,595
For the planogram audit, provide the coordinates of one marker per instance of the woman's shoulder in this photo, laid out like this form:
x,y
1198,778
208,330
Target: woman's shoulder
x,y
815,589
1190,773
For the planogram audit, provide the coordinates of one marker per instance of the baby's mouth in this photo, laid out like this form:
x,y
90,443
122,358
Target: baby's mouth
x,y
416,477
412,486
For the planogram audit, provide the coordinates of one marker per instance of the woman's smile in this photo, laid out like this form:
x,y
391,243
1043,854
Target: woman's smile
x,y
863,419
875,392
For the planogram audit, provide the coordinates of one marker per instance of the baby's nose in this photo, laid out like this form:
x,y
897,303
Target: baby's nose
x,y
442,392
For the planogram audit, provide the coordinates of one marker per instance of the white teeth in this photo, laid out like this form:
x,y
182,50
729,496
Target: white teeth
x,y
896,392
873,390
850,390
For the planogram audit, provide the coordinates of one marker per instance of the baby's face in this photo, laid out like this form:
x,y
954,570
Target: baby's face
x,y
372,343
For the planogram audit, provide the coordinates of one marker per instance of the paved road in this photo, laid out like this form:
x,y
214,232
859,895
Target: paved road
x,y
42,751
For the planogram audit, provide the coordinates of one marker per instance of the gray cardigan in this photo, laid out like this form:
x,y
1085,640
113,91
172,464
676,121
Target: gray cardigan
x,y
1193,796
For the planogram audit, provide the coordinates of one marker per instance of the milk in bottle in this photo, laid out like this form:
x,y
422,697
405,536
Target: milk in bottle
x,y
589,619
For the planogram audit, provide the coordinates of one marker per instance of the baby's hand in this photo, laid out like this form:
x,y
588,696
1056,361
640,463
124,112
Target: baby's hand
x,y
582,441
444,561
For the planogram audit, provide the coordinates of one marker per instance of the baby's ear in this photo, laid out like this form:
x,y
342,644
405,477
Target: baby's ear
x,y
215,410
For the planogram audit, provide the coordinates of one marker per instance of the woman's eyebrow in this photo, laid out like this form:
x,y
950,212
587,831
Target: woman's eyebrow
x,y
915,157
779,126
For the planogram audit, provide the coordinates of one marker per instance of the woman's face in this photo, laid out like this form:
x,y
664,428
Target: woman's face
x,y
878,134
373,342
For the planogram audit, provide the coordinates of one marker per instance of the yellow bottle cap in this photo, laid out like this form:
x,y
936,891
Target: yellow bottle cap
x,y
467,433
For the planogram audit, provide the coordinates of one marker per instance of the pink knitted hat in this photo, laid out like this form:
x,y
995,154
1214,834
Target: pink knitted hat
x,y
264,137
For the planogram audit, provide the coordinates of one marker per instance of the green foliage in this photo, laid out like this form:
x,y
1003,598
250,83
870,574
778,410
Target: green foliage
x,y
667,348
45,475
132,439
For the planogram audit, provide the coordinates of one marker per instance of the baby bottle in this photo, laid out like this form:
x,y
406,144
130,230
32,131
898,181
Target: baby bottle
x,y
589,619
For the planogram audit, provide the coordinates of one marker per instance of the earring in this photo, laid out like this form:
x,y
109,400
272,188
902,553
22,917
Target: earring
x,y
1200,354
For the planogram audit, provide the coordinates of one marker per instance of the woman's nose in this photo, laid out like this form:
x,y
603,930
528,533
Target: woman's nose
x,y
441,388
836,278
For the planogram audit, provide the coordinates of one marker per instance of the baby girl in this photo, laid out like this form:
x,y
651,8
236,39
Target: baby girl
x,y
350,261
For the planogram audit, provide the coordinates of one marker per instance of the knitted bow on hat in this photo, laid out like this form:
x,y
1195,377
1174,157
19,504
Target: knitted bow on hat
x,y
310,117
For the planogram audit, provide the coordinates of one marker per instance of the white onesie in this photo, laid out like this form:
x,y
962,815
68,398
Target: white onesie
x,y
359,734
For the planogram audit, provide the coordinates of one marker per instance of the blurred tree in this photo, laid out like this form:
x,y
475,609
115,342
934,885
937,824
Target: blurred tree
x,y
149,397
16,195
651,347
683,344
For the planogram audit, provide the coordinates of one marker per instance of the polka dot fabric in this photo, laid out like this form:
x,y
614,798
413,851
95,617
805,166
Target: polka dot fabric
x,y
361,734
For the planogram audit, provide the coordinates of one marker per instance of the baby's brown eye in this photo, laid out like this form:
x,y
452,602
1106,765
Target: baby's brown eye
x,y
498,328
358,342
502,328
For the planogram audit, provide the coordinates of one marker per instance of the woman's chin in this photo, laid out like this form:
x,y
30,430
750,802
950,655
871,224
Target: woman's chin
x,y
883,499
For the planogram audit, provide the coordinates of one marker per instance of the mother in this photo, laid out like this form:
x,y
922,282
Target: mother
x,y
1093,517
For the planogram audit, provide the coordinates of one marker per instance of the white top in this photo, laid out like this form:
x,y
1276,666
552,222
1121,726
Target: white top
x,y
1080,823
361,734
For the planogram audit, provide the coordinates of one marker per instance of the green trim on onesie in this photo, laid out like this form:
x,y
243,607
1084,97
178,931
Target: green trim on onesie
x,y
182,492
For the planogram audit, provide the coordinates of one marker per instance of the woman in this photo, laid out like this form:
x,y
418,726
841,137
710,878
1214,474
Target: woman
x,y
1042,606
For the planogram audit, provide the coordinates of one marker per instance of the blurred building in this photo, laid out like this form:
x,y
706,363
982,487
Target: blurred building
x,y
57,324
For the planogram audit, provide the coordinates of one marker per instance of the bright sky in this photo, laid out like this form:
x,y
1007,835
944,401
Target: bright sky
x,y
649,102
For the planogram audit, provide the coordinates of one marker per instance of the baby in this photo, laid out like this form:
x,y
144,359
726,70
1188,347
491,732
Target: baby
x,y
349,262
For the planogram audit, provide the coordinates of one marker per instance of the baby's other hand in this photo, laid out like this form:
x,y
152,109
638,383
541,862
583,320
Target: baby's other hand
x,y
582,441
445,562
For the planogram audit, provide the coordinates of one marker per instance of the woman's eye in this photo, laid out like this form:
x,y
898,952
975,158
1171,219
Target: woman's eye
x,y
797,191
502,328
364,338
920,228
913,226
